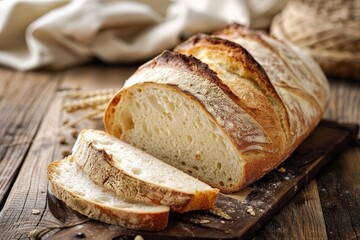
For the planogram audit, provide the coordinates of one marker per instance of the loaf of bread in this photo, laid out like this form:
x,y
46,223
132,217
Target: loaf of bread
x,y
76,189
135,175
225,108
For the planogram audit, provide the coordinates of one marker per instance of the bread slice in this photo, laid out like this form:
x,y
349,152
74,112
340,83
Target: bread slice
x,y
133,174
76,189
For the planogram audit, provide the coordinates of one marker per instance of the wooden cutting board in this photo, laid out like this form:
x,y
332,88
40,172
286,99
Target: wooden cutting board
x,y
258,203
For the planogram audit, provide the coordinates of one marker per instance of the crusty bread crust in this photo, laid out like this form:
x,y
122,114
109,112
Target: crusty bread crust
x,y
301,84
289,92
299,81
252,81
102,169
150,221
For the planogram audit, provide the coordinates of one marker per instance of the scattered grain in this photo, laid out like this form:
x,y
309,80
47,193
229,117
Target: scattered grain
x,y
251,211
220,213
35,211
204,221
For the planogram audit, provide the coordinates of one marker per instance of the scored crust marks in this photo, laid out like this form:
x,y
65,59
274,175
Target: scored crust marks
x,y
309,79
189,63
297,90
245,77
196,78
234,50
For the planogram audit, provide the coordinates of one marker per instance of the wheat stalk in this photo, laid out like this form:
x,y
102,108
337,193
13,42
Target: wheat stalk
x,y
90,102
79,94
96,100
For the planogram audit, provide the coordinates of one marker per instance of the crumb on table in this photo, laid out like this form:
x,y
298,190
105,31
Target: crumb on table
x,y
251,211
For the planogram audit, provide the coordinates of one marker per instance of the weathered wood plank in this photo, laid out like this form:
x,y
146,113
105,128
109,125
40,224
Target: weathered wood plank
x,y
26,208
339,186
301,218
24,99
339,183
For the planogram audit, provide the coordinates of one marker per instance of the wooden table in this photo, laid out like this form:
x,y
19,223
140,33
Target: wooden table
x,y
30,106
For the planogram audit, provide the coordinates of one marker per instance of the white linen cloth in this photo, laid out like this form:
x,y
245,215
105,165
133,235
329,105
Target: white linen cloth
x,y
63,33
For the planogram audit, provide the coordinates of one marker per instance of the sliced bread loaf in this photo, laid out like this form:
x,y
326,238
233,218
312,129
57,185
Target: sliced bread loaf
x,y
226,109
133,174
76,189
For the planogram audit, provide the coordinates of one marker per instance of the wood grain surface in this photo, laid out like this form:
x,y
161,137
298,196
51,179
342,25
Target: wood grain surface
x,y
327,208
23,103
303,217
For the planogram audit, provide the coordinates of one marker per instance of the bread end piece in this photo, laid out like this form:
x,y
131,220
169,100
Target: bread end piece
x,y
105,207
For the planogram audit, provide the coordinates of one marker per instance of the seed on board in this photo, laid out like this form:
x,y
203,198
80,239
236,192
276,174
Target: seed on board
x,y
204,221
220,213
251,211
35,211
281,170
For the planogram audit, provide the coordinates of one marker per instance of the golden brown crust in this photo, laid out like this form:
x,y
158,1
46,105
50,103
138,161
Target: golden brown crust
x,y
283,52
258,100
236,52
108,119
190,64
135,220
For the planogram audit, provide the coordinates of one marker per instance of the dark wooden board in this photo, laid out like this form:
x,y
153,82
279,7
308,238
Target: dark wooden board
x,y
266,198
